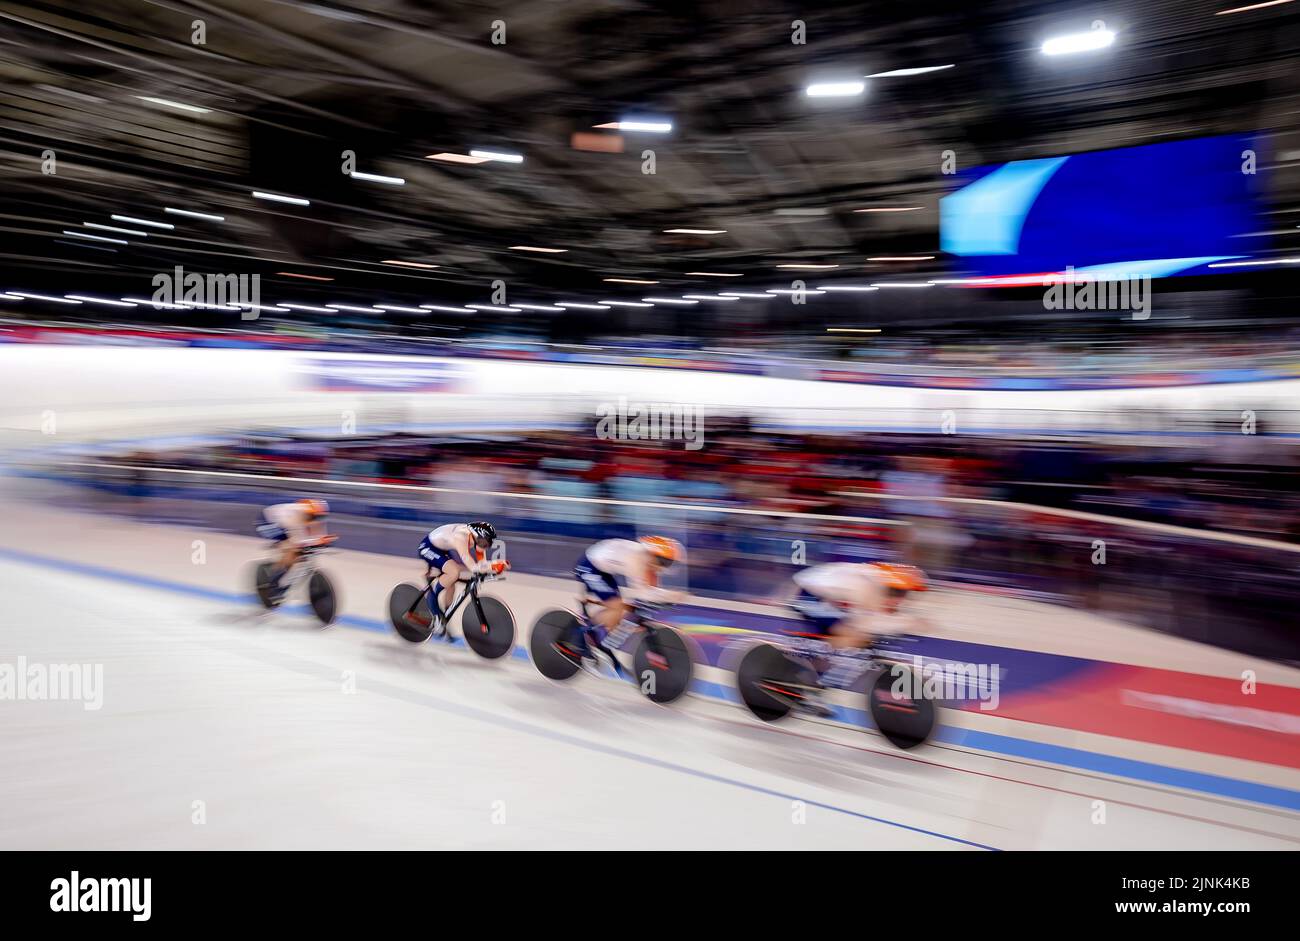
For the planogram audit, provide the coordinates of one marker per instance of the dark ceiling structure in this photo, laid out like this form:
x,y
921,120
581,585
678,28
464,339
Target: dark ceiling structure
x,y
145,105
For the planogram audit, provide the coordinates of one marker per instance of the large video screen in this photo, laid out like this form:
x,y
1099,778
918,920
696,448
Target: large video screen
x,y
1159,210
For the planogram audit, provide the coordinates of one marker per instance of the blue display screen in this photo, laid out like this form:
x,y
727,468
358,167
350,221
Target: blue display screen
x,y
1158,210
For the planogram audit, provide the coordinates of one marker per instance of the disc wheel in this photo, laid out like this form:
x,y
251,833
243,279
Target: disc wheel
x,y
493,635
659,683
767,680
901,712
416,627
551,628
323,598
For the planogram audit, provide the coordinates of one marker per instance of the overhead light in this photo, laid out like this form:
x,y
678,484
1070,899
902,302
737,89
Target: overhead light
x,y
11,297
1078,42
501,307
627,303
899,73
449,310
194,215
667,300
497,155
1253,6
276,308
354,308
43,297
890,209
539,307
846,287
627,281
580,306
193,109
694,231
852,329
901,258
835,89
114,228
95,238
148,222
376,178
709,297
305,277
793,291
644,125
1243,264
901,284
809,267
318,310
712,274
534,248
152,303
406,264
401,308
86,298
277,198
456,158
763,297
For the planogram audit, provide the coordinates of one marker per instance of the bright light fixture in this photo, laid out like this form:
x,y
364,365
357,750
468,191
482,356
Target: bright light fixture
x,y
761,297
277,198
497,155
835,89
1078,42
539,307
695,231
534,248
95,238
194,215
156,225
898,73
1253,6
98,300
114,228
644,125
809,267
354,308
179,106
890,209
901,258
627,303
581,306
846,287
43,297
627,281
667,300
711,274
448,310
376,178
710,297
406,264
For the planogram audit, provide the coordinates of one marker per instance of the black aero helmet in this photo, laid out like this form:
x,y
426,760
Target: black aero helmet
x,y
483,530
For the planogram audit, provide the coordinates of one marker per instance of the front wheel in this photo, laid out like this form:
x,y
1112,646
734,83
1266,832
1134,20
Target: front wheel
x,y
323,598
898,706
488,627
662,665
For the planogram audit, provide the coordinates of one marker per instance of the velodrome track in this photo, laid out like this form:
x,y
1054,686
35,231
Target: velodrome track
x,y
295,737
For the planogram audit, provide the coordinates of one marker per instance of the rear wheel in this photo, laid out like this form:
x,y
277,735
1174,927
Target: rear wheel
x,y
770,683
416,626
492,634
662,665
543,644
901,712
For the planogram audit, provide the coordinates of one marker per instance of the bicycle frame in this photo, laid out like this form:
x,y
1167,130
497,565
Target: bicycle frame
x,y
470,592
